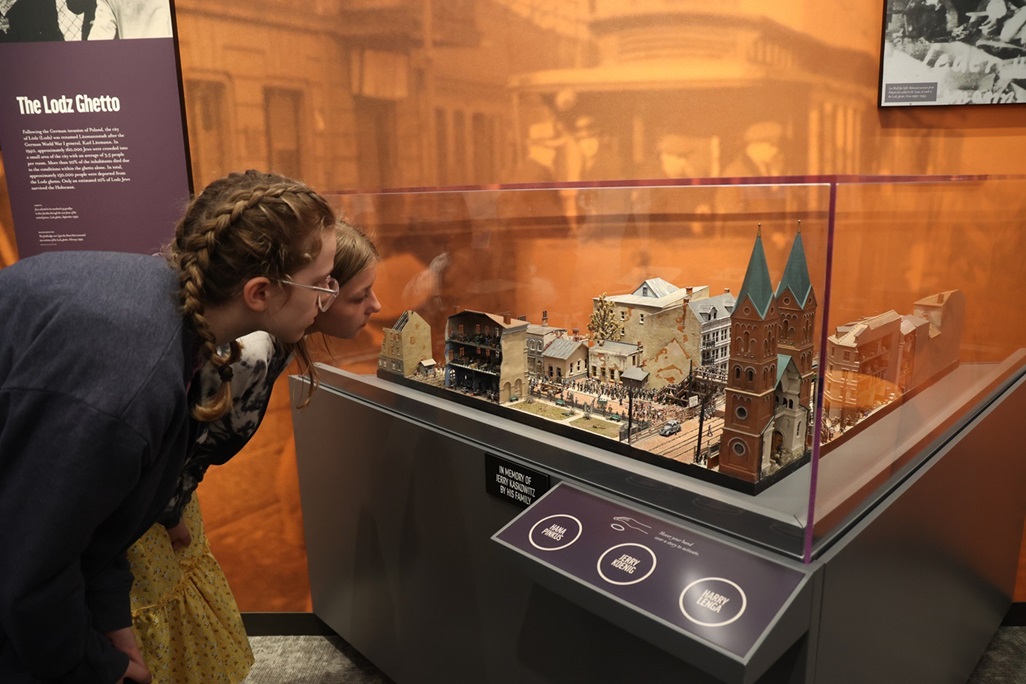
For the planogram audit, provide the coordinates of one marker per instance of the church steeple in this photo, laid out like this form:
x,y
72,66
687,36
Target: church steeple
x,y
796,301
751,373
796,272
757,285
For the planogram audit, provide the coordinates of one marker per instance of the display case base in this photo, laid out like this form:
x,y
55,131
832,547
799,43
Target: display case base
x,y
403,564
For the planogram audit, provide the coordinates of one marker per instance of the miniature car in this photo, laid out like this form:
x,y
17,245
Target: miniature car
x,y
670,427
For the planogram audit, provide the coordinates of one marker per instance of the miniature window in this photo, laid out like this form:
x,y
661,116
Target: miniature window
x,y
739,447
641,319
741,412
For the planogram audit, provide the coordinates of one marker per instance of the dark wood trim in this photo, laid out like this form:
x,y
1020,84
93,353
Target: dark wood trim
x,y
285,624
1016,616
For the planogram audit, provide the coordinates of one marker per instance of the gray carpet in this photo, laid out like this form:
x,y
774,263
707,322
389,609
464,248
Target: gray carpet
x,y
310,660
329,660
1004,661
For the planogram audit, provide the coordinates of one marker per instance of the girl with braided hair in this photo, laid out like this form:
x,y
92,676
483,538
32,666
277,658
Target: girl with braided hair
x,y
98,410
185,618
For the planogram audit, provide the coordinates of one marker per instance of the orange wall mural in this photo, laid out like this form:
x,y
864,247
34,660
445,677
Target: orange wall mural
x,y
370,94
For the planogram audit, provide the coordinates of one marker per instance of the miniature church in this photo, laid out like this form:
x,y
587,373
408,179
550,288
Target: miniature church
x,y
770,376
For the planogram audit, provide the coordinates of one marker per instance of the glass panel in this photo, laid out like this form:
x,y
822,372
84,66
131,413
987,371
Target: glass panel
x,y
924,326
745,353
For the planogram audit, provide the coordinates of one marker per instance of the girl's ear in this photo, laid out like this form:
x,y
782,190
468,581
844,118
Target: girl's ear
x,y
257,293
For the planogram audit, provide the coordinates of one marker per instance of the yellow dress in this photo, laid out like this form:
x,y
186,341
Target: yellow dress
x,y
184,615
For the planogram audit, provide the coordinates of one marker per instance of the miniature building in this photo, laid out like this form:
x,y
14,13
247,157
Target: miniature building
x,y
876,360
769,376
564,358
538,338
797,302
913,327
863,364
652,316
486,355
707,331
609,360
945,312
406,346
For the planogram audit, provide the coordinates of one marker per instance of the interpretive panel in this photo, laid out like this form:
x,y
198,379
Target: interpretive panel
x,y
678,576
93,140
944,53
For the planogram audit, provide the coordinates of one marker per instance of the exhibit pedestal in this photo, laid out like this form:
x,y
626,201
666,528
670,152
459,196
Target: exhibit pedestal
x,y
424,558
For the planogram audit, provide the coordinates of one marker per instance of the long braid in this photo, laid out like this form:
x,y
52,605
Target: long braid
x,y
240,227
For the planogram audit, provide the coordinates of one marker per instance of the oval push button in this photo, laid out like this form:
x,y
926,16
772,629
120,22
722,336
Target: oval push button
x,y
555,532
626,564
713,602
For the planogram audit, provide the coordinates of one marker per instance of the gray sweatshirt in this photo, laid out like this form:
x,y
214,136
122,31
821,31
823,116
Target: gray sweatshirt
x,y
94,428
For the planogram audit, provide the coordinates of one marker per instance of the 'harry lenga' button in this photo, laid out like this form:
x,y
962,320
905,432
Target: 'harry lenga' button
x,y
555,532
626,564
713,602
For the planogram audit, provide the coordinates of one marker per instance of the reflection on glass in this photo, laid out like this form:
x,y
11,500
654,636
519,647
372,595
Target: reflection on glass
x,y
704,340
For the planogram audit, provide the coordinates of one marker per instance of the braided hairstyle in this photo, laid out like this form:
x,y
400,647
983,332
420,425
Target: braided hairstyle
x,y
242,226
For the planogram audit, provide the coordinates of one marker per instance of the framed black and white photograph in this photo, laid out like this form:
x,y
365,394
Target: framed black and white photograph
x,y
953,52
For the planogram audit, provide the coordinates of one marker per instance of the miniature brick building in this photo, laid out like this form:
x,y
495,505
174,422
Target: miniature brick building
x,y
769,376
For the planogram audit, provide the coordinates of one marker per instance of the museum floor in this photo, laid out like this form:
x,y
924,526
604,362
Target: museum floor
x,y
329,660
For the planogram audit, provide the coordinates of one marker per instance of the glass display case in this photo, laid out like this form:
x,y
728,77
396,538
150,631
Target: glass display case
x,y
738,420
783,351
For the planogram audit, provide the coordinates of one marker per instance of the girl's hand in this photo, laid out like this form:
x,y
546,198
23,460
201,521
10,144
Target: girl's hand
x,y
180,536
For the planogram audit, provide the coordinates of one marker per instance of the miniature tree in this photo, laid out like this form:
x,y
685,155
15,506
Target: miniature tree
x,y
602,324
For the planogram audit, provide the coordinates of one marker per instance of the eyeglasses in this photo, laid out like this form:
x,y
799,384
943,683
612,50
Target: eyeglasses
x,y
326,294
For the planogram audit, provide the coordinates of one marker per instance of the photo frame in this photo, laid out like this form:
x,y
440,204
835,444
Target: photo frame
x,y
953,52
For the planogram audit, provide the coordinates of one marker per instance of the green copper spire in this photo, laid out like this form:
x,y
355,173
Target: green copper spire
x,y
757,284
796,273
